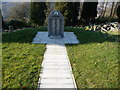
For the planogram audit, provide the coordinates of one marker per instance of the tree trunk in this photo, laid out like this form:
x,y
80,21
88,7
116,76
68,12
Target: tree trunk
x,y
116,5
105,8
103,4
80,10
111,13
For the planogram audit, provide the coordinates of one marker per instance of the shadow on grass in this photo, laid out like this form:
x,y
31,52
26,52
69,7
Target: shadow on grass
x,y
84,36
21,36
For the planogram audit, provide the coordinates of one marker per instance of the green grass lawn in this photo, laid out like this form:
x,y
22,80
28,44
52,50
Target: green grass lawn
x,y
21,60
95,60
21,64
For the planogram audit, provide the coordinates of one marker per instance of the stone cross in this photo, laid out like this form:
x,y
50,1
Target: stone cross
x,y
55,24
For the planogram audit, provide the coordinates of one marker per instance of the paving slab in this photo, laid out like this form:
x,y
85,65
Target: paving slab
x,y
56,70
57,86
64,81
42,37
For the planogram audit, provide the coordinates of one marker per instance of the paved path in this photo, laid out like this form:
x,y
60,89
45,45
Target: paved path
x,y
56,69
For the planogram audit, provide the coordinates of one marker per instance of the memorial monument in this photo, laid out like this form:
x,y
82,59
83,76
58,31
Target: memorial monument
x,y
55,24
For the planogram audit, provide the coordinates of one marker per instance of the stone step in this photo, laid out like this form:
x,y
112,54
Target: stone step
x,y
57,71
56,89
55,57
56,60
55,64
57,67
71,87
55,76
45,66
55,48
55,45
56,81
60,63
55,52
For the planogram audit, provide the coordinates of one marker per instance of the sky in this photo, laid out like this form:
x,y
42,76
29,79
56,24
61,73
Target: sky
x,y
15,0
54,0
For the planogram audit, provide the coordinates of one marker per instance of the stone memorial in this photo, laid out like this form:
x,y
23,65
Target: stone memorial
x,y
55,24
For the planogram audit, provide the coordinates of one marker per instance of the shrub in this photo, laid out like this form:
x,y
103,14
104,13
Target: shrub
x,y
16,24
105,20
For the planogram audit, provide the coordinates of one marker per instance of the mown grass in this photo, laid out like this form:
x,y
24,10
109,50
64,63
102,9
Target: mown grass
x,y
21,64
95,60
21,60
22,36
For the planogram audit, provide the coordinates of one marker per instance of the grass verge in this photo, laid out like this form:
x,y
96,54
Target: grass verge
x,y
21,60
95,60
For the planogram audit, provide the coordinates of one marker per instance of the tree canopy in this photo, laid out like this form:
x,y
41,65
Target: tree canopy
x,y
20,12
37,13
70,12
89,11
118,13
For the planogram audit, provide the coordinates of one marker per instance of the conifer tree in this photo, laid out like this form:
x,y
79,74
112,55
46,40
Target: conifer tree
x,y
37,13
118,13
70,11
89,11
